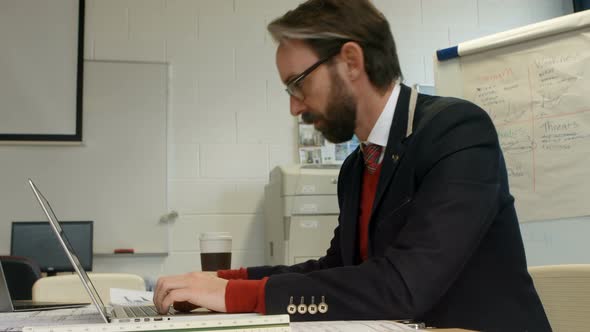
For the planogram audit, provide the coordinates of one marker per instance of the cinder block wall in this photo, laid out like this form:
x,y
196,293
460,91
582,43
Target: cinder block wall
x,y
228,121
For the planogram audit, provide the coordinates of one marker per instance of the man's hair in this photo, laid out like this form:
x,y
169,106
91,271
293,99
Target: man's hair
x,y
326,25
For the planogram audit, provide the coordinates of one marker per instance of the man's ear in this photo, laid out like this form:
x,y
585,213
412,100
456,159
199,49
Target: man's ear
x,y
353,57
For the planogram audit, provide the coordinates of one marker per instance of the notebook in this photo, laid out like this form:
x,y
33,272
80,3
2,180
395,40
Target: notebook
x,y
127,314
8,305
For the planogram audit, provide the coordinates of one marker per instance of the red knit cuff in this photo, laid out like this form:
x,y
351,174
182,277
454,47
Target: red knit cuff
x,y
245,296
242,273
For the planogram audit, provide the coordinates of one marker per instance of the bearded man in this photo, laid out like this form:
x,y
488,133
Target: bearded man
x,y
427,227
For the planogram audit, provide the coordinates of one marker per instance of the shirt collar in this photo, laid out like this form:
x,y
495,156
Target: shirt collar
x,y
380,132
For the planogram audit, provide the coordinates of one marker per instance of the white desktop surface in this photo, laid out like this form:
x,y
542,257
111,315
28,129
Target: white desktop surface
x,y
14,322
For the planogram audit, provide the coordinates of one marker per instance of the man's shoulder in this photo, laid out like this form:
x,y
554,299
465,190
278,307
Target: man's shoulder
x,y
429,107
440,101
434,104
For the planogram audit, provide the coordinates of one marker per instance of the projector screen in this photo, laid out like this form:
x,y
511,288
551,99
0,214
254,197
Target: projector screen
x,y
41,70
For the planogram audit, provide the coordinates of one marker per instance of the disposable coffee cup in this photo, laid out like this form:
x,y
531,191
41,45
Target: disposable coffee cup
x,y
215,251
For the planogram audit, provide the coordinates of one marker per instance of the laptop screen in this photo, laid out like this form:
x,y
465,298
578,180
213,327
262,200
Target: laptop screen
x,y
63,239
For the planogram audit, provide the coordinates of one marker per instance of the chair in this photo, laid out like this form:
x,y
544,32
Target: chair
x,y
69,288
21,273
565,293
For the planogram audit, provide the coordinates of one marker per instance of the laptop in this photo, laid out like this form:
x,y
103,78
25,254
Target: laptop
x,y
9,305
116,314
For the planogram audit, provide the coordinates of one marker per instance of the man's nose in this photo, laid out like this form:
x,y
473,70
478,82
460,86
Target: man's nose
x,y
297,106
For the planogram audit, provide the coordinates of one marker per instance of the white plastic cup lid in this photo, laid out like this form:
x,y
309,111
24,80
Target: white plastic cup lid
x,y
215,235
213,242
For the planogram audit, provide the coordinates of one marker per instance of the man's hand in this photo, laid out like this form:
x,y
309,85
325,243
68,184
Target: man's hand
x,y
203,289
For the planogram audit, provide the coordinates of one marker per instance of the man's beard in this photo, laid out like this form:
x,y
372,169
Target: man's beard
x,y
338,124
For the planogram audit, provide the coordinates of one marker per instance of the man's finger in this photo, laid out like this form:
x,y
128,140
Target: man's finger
x,y
156,289
184,306
159,288
167,284
177,295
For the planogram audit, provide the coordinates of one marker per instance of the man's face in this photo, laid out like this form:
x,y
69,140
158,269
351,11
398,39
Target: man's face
x,y
327,101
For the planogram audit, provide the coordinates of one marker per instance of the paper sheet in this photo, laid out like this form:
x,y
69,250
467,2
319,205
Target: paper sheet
x,y
129,297
538,96
79,318
351,326
14,321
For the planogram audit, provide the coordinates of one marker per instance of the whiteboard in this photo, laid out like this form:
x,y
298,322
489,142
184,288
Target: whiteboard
x,y
537,92
117,177
41,69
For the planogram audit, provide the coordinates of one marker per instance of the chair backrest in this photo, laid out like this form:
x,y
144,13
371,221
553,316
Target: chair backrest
x,y
69,288
21,273
565,293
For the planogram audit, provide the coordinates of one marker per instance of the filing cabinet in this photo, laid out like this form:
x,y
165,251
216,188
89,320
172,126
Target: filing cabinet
x,y
301,212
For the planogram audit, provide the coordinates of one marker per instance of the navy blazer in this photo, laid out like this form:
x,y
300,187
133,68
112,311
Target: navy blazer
x,y
444,241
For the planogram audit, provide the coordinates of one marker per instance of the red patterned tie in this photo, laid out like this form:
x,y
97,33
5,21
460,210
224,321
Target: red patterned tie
x,y
371,154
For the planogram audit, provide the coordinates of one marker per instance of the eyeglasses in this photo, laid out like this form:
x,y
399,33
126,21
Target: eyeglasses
x,y
294,85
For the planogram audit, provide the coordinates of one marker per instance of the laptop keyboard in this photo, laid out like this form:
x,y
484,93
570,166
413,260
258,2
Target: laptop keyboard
x,y
141,311
135,311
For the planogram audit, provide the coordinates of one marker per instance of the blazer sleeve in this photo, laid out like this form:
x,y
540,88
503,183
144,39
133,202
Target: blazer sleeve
x,y
454,203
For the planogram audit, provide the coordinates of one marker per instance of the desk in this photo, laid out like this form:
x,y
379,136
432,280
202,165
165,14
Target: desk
x,y
13,322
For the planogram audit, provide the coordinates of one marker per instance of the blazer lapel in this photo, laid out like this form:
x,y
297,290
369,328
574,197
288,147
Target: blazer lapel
x,y
350,213
395,147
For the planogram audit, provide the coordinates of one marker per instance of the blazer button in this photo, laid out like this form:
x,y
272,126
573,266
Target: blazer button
x,y
312,308
323,306
291,308
395,158
302,308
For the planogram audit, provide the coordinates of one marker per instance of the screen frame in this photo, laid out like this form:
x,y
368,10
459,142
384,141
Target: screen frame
x,y
77,135
69,268
580,5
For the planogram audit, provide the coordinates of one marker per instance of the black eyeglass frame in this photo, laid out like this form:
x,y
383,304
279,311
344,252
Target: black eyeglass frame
x,y
290,85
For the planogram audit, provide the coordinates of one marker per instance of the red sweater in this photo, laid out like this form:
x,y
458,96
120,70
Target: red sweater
x,y
243,295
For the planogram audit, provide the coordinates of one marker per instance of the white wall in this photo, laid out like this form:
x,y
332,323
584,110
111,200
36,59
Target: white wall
x,y
229,123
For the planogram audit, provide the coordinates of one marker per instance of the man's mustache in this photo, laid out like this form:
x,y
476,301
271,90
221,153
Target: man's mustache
x,y
309,117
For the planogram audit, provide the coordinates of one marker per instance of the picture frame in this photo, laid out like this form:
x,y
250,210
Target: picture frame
x,y
316,151
42,74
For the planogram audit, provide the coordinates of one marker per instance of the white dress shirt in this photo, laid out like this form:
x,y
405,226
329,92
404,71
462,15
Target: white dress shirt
x,y
380,132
